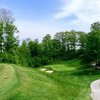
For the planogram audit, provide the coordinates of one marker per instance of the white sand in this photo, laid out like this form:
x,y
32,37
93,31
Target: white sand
x,y
95,90
46,70
43,69
49,71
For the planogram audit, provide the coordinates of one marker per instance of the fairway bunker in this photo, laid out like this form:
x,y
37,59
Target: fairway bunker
x,y
43,69
46,70
49,71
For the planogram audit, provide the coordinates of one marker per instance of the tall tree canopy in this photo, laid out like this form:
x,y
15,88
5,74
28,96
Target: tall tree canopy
x,y
93,42
64,45
8,42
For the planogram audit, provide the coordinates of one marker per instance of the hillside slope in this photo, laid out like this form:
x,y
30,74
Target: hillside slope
x,y
20,83
70,81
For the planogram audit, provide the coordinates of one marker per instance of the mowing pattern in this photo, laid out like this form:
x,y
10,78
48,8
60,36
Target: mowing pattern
x,y
70,81
26,84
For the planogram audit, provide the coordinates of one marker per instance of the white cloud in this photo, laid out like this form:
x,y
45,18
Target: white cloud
x,y
33,30
69,8
86,11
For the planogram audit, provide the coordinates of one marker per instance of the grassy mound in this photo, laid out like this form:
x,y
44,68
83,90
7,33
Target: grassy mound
x,y
70,81
26,84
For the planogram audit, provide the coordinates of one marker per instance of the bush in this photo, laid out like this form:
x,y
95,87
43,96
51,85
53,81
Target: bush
x,y
36,62
45,60
4,57
9,58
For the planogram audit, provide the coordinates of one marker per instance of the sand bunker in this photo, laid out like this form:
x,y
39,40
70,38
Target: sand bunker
x,y
46,70
49,71
43,69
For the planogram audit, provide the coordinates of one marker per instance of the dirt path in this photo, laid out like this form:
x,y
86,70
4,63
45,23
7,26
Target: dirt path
x,y
95,90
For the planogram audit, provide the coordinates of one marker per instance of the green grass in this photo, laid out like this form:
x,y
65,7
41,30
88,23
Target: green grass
x,y
65,66
70,81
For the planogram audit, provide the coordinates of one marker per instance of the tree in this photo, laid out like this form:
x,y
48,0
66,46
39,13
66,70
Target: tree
x,y
82,38
93,43
72,37
8,43
25,57
55,49
1,37
35,52
95,26
61,39
47,46
34,48
67,43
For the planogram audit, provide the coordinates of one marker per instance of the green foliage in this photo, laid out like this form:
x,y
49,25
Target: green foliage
x,y
63,46
24,54
36,61
95,26
34,47
93,43
45,60
8,43
70,80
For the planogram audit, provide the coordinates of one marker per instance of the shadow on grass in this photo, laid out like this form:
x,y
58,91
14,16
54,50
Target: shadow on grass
x,y
85,69
86,72
81,69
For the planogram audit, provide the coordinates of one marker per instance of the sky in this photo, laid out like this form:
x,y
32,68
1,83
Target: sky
x,y
36,18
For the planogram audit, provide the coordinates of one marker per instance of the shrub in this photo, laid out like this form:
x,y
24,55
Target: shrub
x,y
45,60
36,62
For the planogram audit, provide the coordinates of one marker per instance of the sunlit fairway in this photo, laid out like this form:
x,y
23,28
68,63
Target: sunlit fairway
x,y
70,81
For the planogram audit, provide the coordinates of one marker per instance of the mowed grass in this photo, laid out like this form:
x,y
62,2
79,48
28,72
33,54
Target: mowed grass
x,y
70,81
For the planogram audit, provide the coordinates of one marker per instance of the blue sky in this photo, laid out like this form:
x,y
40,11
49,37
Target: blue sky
x,y
36,18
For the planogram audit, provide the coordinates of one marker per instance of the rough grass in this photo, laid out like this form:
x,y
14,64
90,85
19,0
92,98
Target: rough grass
x,y
70,81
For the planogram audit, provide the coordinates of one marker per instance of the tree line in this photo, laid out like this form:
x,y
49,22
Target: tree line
x,y
63,46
